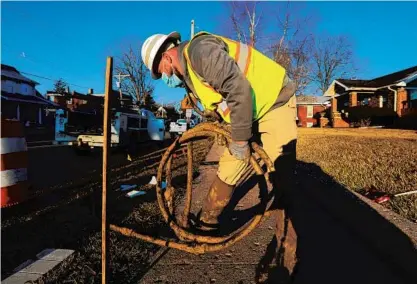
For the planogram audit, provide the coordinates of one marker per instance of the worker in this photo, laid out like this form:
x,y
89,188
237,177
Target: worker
x,y
246,89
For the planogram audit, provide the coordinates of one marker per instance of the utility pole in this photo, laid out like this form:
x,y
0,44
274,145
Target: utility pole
x,y
119,84
192,29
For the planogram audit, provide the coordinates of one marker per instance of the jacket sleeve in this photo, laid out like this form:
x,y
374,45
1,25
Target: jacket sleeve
x,y
211,61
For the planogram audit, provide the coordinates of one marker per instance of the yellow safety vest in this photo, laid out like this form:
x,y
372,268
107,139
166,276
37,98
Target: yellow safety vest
x,y
264,75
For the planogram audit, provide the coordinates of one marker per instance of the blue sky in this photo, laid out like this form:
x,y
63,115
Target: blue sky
x,y
72,39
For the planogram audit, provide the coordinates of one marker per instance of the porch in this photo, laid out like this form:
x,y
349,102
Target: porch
x,y
381,101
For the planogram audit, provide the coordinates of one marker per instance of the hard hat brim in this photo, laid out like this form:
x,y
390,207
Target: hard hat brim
x,y
173,36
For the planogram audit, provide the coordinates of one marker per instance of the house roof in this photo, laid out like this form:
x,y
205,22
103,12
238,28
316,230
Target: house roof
x,y
311,100
406,77
76,95
12,73
97,97
381,81
25,99
117,95
161,109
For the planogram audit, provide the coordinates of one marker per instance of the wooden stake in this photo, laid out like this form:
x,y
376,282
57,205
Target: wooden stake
x,y
106,141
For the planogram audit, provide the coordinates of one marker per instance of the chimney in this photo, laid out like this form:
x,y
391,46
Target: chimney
x,y
90,91
67,90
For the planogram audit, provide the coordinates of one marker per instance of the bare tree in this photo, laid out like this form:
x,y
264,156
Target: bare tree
x,y
293,48
139,84
287,44
245,18
332,58
300,61
310,60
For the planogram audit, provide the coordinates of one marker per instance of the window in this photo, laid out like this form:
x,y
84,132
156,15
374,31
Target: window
x,y
25,89
132,122
413,94
309,111
413,98
365,102
7,86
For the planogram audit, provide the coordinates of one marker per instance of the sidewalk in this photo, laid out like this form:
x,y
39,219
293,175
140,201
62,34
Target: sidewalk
x,y
330,248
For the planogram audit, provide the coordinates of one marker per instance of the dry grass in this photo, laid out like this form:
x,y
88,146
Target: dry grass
x,y
364,159
360,132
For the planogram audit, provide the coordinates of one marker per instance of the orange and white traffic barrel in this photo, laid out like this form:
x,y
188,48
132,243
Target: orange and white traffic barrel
x,y
14,163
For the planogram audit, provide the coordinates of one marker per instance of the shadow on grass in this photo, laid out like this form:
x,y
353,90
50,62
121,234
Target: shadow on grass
x,y
327,235
340,239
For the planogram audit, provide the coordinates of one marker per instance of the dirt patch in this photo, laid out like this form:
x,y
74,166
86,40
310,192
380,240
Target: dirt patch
x,y
366,159
69,220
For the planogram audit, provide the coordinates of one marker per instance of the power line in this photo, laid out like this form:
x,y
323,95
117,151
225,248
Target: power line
x,y
43,77
38,76
24,56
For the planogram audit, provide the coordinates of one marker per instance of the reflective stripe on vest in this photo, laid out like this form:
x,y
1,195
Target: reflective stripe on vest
x,y
223,108
243,53
242,58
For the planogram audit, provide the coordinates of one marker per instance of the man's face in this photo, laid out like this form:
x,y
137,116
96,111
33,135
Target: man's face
x,y
165,66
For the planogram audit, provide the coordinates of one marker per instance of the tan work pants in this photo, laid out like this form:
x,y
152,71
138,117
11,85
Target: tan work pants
x,y
277,130
278,134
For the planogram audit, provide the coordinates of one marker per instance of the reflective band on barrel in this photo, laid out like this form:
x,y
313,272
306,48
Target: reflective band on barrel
x,y
12,145
243,53
11,177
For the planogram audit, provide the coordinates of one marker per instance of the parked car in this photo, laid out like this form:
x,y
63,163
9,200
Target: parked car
x,y
180,126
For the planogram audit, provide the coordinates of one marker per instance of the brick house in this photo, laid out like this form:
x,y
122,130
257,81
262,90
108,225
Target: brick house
x,y
309,109
85,111
88,103
19,98
387,100
76,101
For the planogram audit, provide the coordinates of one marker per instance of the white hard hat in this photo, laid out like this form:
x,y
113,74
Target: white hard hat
x,y
153,46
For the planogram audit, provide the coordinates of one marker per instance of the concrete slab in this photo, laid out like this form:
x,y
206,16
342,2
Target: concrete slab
x,y
30,270
40,266
23,265
55,254
20,278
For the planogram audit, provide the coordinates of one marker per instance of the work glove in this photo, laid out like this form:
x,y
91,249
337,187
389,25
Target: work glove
x,y
240,150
